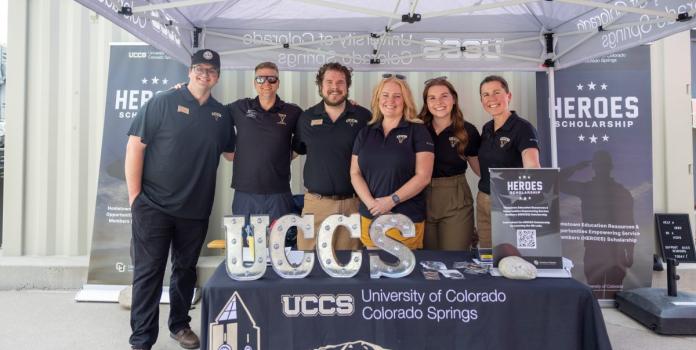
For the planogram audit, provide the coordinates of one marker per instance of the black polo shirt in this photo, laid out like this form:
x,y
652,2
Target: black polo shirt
x,y
184,142
328,147
264,145
503,148
387,163
447,160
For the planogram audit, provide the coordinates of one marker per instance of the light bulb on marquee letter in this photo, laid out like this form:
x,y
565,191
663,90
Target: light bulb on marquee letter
x,y
237,269
279,260
325,250
406,260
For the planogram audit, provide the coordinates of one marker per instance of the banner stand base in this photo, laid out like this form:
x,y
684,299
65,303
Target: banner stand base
x,y
108,293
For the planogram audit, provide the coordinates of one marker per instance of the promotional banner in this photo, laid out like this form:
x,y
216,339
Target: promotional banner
x,y
136,73
324,313
524,213
603,122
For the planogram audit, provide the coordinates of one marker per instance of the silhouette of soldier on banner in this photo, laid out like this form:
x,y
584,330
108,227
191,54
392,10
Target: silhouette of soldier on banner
x,y
607,211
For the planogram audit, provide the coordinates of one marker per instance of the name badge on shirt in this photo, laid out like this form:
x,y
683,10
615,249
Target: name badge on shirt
x,y
316,122
182,109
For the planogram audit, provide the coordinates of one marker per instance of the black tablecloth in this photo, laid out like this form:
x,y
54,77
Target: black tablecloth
x,y
482,312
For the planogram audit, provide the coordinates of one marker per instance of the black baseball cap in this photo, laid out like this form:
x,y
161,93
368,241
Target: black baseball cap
x,y
206,56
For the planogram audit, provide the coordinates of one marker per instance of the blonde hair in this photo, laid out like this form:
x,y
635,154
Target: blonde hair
x,y
410,114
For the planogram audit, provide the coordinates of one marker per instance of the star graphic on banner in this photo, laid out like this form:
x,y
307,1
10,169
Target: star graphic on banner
x,y
165,81
512,198
581,137
579,87
496,175
591,85
144,81
155,80
593,139
603,86
605,138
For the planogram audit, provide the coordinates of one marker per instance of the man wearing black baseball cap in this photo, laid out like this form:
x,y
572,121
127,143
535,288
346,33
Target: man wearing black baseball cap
x,y
172,156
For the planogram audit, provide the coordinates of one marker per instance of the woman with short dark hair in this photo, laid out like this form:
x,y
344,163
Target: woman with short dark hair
x,y
507,141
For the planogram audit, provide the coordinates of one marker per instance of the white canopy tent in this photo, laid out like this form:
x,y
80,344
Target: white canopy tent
x,y
396,35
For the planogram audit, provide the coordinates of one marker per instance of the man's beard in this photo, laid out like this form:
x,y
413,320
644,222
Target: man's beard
x,y
337,103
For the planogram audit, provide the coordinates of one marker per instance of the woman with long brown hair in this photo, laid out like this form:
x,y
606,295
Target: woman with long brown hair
x,y
450,206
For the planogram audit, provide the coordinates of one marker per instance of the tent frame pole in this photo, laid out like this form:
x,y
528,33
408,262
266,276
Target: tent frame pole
x,y
552,120
630,9
169,5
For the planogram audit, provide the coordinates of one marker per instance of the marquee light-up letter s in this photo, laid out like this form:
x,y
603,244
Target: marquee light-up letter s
x,y
406,260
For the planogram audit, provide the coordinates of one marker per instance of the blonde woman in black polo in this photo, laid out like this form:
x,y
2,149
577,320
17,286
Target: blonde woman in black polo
x,y
450,206
392,161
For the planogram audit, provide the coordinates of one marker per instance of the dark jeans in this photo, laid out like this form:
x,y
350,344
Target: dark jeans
x,y
274,205
154,232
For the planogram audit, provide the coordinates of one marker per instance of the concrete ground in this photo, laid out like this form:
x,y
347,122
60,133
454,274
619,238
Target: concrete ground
x,y
45,319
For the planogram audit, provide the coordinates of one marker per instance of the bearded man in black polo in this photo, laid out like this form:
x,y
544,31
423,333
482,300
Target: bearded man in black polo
x,y
172,156
325,133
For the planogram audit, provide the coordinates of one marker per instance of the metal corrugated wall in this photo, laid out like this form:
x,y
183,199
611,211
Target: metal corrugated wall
x,y
58,64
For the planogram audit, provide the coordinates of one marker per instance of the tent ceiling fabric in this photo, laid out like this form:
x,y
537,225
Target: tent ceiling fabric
x,y
376,35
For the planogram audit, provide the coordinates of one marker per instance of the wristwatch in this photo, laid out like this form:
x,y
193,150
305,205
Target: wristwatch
x,y
395,198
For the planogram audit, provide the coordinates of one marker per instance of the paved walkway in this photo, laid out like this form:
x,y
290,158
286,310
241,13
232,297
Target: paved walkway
x,y
33,319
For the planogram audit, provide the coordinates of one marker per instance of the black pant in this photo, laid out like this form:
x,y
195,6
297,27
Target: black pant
x,y
153,234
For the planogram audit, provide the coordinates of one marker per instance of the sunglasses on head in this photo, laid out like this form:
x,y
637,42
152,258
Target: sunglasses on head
x,y
390,75
260,79
432,80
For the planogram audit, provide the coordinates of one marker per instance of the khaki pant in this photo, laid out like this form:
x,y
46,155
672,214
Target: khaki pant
x,y
483,220
412,242
450,221
322,208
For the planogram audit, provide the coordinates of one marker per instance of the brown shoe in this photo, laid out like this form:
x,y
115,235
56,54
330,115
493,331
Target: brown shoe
x,y
186,338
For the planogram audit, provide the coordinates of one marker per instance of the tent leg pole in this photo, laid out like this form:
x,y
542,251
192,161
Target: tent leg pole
x,y
552,120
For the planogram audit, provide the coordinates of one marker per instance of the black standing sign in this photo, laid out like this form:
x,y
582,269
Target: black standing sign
x,y
676,241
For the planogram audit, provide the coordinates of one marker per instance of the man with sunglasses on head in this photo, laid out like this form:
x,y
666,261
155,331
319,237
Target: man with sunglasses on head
x,y
171,163
325,133
265,127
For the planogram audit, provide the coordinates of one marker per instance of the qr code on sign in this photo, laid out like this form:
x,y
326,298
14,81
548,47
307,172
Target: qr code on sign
x,y
526,239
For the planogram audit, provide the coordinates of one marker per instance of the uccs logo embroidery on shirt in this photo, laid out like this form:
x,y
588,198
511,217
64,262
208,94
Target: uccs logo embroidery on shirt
x,y
503,141
453,141
216,115
352,122
282,119
250,113
401,138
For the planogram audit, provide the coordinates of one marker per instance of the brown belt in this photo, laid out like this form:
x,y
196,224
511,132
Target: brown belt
x,y
336,197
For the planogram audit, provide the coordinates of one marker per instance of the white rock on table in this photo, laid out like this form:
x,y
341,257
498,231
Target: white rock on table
x,y
516,268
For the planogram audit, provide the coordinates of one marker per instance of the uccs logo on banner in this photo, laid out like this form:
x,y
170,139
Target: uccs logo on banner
x,y
234,328
309,305
358,344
